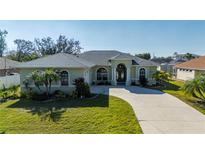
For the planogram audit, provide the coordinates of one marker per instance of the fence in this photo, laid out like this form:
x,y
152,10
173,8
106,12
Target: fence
x,y
8,81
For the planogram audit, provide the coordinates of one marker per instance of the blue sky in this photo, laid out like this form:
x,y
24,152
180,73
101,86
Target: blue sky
x,y
161,38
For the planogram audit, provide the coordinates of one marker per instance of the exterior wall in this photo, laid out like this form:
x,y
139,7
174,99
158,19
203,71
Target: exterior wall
x,y
93,74
150,70
90,75
3,72
133,73
185,74
8,81
72,75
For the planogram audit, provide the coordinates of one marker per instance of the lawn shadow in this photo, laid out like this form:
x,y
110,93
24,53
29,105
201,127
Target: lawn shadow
x,y
53,109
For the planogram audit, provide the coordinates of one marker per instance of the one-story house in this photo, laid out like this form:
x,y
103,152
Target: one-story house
x,y
7,66
169,67
96,67
190,69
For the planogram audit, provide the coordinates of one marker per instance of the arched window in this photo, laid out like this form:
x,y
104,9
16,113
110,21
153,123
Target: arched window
x,y
142,73
102,74
64,78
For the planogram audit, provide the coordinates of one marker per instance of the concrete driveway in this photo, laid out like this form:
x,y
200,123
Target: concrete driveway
x,y
158,112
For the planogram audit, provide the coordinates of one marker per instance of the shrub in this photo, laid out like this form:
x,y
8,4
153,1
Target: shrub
x,y
93,83
82,88
74,95
39,97
133,83
29,94
107,83
5,94
143,81
59,94
14,92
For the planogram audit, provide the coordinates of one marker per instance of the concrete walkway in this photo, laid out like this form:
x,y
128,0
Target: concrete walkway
x,y
158,112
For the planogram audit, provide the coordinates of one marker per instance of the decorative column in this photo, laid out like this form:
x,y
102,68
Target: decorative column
x,y
128,76
114,75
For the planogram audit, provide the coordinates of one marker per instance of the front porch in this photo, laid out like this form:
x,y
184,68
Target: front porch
x,y
121,75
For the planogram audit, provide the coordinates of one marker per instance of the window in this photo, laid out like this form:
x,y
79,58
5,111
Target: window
x,y
142,73
102,74
64,78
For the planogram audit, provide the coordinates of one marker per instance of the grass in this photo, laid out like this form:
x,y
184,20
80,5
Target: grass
x,y
173,87
100,115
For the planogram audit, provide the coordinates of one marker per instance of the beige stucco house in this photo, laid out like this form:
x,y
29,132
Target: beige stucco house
x,y
191,69
101,67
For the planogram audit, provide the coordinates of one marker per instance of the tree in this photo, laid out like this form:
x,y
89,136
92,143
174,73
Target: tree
x,y
146,56
195,87
2,41
25,50
161,76
46,46
66,45
14,55
162,59
189,56
46,78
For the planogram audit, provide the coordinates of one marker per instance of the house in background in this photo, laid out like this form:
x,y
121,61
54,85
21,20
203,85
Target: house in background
x,y
169,67
176,59
96,67
190,69
7,66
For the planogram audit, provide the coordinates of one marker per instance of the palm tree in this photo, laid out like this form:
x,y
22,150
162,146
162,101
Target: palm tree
x,y
195,87
45,78
161,76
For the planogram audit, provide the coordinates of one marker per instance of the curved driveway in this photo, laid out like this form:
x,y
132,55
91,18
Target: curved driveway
x,y
156,111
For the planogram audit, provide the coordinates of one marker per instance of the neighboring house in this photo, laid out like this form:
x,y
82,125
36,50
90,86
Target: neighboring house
x,y
190,69
169,67
7,66
96,67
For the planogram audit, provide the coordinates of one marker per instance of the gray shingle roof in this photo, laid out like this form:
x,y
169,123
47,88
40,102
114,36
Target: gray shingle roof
x,y
9,63
86,59
102,57
60,60
144,62
99,57
122,56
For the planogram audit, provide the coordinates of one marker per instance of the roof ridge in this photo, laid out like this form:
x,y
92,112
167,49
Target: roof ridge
x,y
75,58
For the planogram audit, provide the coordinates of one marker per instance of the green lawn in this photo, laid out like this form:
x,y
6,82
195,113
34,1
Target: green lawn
x,y
173,87
99,115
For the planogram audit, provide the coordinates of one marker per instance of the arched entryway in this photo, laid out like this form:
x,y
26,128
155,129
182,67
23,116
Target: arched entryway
x,y
121,74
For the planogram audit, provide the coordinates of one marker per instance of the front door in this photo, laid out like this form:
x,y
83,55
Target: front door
x,y
121,73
